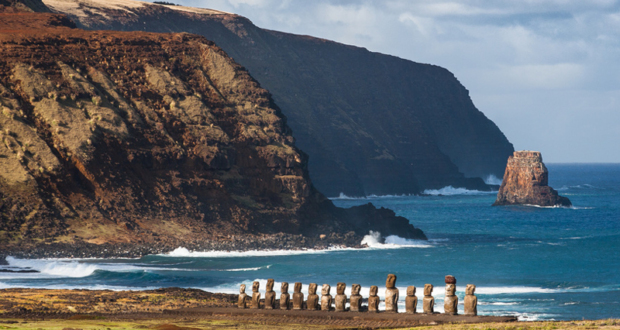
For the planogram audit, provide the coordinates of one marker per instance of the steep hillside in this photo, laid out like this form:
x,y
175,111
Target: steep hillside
x,y
371,123
158,140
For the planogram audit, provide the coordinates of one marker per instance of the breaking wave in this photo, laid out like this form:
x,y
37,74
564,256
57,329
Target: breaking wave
x,y
342,196
449,191
492,180
578,186
46,268
392,242
560,207
244,269
55,267
183,252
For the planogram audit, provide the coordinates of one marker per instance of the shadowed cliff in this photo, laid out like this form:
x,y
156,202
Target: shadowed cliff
x,y
147,139
371,123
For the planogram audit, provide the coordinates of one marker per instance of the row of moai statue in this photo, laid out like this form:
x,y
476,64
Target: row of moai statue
x,y
355,301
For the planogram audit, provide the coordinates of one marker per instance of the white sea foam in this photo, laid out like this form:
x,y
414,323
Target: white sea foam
x,y
493,180
578,186
55,267
342,196
577,237
513,290
244,269
531,317
450,191
183,252
392,242
72,268
372,240
500,303
78,286
560,207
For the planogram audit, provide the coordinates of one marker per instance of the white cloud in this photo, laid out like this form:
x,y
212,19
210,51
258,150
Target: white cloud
x,y
545,76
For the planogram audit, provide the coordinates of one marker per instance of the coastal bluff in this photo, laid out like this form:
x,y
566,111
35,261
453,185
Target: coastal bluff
x,y
370,123
134,143
526,182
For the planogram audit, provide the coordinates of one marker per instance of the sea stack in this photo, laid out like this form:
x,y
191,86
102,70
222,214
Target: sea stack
x,y
526,182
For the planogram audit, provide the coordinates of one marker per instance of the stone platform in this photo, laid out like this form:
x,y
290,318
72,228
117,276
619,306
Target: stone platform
x,y
338,319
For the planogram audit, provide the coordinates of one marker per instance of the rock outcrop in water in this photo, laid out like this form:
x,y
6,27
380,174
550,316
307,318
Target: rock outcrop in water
x,y
125,143
526,182
371,123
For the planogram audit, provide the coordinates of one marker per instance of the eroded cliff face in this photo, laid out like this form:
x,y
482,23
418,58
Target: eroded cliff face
x,y
526,182
371,123
145,138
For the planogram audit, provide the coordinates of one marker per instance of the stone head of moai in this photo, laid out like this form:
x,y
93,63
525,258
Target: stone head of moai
x,y
312,288
355,289
470,289
428,289
373,290
270,285
255,286
450,289
242,288
284,287
326,289
411,290
450,285
340,287
390,283
298,287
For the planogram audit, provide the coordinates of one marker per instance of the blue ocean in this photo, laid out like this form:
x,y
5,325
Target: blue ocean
x,y
534,263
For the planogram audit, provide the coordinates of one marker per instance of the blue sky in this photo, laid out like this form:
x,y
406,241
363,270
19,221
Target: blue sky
x,y
546,72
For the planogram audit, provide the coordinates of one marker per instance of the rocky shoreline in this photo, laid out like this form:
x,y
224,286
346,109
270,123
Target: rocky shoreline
x,y
280,241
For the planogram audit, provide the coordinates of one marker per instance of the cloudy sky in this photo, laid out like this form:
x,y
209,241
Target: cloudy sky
x,y
546,72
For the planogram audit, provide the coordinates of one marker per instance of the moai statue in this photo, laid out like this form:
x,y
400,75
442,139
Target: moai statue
x,y
242,297
341,299
451,301
471,301
391,294
255,295
313,298
356,299
285,298
298,297
373,300
326,298
428,302
411,302
270,295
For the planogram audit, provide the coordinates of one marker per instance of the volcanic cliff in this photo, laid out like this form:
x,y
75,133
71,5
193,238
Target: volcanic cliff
x,y
526,182
152,140
371,123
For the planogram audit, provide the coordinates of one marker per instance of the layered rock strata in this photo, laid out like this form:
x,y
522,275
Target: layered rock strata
x,y
371,123
526,182
131,139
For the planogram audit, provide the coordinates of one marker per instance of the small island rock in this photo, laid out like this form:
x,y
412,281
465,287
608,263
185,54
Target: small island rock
x,y
526,182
